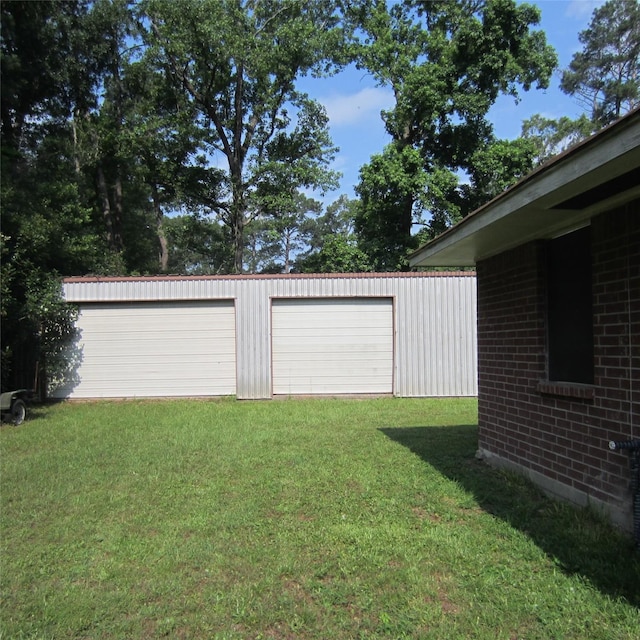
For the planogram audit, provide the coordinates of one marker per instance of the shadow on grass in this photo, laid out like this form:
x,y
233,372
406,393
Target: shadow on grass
x,y
579,541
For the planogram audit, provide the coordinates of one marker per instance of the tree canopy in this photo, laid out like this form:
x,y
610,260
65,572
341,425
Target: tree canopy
x,y
237,64
446,62
604,78
605,74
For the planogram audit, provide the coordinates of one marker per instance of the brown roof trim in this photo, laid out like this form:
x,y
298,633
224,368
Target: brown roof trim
x,y
274,276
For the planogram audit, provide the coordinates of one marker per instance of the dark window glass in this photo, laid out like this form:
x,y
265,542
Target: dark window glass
x,y
570,308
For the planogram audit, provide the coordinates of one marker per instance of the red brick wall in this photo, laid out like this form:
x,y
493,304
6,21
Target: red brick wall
x,y
562,431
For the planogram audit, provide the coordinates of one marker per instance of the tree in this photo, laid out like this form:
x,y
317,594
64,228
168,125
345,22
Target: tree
x,y
605,75
333,246
47,227
493,169
447,62
390,189
197,245
604,78
102,121
237,63
276,240
163,141
37,65
551,137
338,254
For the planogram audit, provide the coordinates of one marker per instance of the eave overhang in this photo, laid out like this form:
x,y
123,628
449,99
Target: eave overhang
x,y
562,195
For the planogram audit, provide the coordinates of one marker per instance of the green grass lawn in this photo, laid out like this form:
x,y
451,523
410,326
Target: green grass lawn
x,y
328,519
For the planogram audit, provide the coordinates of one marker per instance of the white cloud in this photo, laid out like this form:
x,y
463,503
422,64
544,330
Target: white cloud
x,y
353,108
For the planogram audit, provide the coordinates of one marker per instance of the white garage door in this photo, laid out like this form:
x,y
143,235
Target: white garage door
x,y
332,346
155,349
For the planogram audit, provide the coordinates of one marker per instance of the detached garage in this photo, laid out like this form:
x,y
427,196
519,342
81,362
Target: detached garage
x,y
255,337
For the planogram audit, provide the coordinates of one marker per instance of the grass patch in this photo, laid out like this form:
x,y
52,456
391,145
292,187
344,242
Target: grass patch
x,y
297,519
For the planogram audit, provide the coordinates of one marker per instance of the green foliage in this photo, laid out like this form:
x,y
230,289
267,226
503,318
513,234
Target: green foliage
x,y
447,62
442,201
338,254
333,244
197,246
54,333
605,74
46,231
494,168
275,240
37,328
48,226
237,65
38,64
603,77
389,189
551,137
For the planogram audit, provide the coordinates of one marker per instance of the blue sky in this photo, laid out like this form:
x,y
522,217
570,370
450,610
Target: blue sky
x,y
353,101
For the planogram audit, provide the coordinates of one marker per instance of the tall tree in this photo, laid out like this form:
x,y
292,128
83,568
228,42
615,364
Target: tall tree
x,y
114,22
137,143
197,245
333,246
550,136
605,75
277,240
237,62
392,199
164,143
446,61
47,227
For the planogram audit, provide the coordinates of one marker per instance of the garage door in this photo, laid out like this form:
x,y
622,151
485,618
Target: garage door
x,y
332,346
155,349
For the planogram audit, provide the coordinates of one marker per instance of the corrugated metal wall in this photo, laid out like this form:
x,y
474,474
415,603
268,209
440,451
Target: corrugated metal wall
x,y
435,319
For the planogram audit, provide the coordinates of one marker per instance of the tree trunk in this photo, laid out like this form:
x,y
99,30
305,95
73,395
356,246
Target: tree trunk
x,y
238,242
76,152
237,213
118,206
287,252
105,204
407,215
163,245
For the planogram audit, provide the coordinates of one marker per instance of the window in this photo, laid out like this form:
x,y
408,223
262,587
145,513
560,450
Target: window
x,y
570,308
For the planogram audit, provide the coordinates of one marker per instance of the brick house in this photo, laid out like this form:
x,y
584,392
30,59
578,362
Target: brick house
x,y
558,276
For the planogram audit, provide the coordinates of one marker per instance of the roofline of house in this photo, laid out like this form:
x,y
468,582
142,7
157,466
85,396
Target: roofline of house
x,y
624,135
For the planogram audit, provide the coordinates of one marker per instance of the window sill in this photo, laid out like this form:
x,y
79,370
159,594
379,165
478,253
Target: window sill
x,y
567,389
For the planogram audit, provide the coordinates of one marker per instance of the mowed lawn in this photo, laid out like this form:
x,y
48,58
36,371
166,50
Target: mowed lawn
x,y
324,518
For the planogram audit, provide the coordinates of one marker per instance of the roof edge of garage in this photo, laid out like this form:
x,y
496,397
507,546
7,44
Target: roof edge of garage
x,y
272,276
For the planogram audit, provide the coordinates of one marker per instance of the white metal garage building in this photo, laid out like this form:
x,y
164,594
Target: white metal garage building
x,y
406,334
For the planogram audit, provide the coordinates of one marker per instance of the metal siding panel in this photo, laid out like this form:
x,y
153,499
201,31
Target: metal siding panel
x,y
155,349
254,359
332,346
437,337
